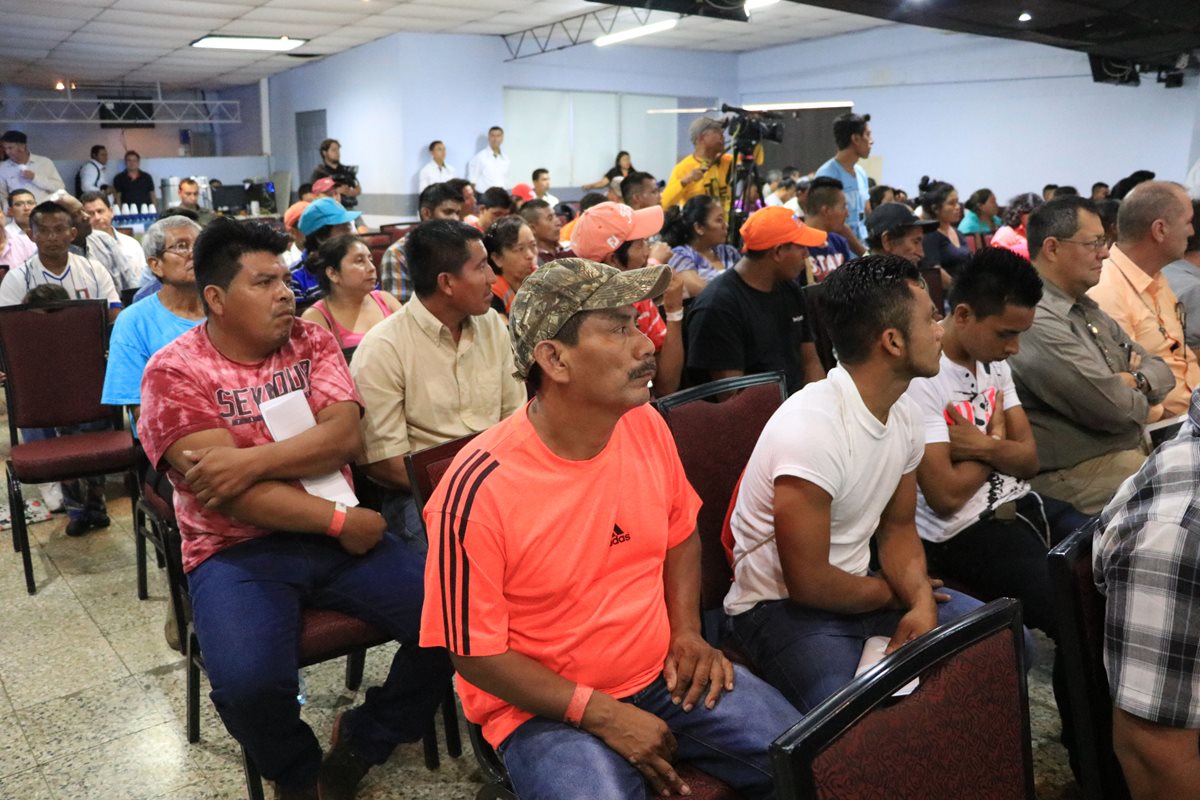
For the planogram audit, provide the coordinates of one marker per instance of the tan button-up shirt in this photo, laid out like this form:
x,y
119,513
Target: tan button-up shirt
x,y
421,389
1150,313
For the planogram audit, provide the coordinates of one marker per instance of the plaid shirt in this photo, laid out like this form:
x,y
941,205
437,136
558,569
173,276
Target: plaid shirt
x,y
393,272
1146,560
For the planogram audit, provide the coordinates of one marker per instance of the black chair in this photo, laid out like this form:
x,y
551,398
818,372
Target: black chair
x,y
153,505
54,356
1079,607
963,733
714,441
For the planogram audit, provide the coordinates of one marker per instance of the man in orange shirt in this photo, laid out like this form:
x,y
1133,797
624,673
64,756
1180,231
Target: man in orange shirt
x,y
1153,226
573,620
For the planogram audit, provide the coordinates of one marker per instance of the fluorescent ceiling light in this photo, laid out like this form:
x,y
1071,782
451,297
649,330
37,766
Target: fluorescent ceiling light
x,y
677,111
1025,17
754,5
266,43
799,106
635,33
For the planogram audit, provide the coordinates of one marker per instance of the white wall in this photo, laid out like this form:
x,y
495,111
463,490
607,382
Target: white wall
x,y
388,99
977,111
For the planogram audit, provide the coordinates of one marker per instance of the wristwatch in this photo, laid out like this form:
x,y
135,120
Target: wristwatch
x,y
1141,383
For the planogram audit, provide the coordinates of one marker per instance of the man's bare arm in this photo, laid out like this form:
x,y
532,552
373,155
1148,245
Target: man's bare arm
x,y
1159,762
902,559
693,668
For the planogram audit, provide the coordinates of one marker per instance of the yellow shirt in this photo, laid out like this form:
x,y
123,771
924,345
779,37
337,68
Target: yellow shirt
x,y
1146,308
421,389
714,183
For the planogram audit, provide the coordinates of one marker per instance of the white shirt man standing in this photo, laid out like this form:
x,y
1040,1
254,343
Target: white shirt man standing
x,y
91,174
23,170
489,167
437,170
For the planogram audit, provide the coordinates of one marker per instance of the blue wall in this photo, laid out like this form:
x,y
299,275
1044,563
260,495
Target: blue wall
x,y
977,111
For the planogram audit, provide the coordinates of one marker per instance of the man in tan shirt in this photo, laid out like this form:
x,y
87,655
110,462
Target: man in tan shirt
x,y
1153,226
439,368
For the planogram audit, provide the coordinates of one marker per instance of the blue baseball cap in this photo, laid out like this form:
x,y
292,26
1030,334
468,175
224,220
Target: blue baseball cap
x,y
324,211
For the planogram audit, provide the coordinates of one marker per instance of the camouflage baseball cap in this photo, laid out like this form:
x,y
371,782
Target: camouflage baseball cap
x,y
559,290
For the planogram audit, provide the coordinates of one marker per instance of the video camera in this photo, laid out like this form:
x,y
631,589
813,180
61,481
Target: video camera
x,y
748,128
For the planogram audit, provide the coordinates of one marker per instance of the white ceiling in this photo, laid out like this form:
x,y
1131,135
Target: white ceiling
x,y
146,41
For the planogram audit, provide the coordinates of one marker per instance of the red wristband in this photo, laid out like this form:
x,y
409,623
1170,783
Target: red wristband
x,y
339,519
578,705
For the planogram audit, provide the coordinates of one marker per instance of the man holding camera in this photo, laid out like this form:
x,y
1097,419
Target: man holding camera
x,y
705,170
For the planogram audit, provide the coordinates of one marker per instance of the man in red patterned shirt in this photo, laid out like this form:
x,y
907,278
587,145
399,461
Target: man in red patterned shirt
x,y
257,547
615,234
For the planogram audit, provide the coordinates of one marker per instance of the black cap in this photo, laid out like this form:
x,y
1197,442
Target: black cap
x,y
14,137
891,216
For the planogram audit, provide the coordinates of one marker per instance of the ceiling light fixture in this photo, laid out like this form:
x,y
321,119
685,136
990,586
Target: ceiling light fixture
x,y
636,33
58,87
755,5
281,44
1025,17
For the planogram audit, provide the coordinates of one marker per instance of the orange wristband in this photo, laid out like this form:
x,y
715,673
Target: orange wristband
x,y
578,705
339,519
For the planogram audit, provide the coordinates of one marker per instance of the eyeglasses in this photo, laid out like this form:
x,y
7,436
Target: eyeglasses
x,y
179,248
1096,245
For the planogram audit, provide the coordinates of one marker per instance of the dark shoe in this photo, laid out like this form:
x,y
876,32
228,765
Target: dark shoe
x,y
98,520
78,526
307,793
342,770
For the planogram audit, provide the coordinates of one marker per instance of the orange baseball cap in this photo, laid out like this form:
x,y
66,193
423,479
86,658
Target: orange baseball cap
x,y
292,215
774,225
606,226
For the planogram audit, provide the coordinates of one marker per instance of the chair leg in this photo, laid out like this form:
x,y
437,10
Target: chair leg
x,y
355,663
254,786
193,690
450,722
16,539
139,540
16,514
432,758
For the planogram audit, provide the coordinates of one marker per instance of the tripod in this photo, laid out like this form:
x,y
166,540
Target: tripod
x,y
746,188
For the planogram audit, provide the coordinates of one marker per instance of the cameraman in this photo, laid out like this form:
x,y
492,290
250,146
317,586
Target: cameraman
x,y
705,170
344,177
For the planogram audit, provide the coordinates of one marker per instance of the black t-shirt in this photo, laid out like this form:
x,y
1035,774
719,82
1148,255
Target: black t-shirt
x,y
732,325
941,252
341,176
134,190
615,172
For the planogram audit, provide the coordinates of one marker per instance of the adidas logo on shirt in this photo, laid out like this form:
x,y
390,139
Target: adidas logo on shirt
x,y
618,536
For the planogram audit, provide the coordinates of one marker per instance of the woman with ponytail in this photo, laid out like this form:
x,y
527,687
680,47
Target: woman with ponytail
x,y
350,305
944,247
697,233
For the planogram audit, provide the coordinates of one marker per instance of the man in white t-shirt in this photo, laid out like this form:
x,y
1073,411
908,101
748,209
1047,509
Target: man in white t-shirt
x,y
981,523
437,170
489,167
835,466
84,279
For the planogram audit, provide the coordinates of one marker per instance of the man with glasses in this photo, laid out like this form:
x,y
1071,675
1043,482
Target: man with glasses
x,y
20,206
1087,388
1153,227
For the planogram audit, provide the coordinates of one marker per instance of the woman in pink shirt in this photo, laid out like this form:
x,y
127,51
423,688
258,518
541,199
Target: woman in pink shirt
x,y
351,305
1011,236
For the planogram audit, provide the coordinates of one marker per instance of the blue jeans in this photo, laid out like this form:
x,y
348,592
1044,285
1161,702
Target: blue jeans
x,y
246,602
400,512
808,654
550,760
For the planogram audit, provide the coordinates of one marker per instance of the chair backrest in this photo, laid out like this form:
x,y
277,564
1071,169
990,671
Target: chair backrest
x,y
54,358
396,230
426,467
1080,607
964,731
714,442
376,239
818,323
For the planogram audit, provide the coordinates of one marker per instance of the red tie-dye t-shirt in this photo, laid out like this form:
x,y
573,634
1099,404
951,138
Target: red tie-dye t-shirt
x,y
190,387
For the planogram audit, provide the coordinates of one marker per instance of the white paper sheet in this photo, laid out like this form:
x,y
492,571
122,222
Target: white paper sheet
x,y
289,415
872,654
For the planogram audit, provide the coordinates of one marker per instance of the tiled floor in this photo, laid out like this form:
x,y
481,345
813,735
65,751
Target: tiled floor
x,y
92,698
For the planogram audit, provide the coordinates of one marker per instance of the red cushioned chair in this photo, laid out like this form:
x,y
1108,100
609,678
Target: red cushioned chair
x,y
396,230
425,468
54,356
714,442
1079,607
964,731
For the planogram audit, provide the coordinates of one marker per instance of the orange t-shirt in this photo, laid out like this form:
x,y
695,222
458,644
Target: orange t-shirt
x,y
564,235
561,561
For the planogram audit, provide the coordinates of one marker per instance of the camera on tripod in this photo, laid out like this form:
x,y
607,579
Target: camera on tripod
x,y
747,129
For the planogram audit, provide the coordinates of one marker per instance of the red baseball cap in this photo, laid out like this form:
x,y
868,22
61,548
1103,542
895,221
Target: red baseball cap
x,y
523,191
323,185
774,225
606,226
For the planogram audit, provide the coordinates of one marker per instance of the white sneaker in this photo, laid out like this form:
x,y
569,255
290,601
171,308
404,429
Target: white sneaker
x,y
52,495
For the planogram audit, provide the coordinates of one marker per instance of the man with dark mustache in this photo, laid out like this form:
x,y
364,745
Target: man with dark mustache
x,y
257,547
564,567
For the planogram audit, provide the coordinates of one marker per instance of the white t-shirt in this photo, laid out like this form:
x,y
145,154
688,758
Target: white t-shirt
x,y
431,173
826,435
487,169
549,198
974,396
83,279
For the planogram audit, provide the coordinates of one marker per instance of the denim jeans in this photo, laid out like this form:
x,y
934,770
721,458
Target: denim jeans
x,y
400,512
551,760
247,601
808,654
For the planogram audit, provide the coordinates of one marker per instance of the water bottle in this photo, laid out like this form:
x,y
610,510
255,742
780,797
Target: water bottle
x,y
302,695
